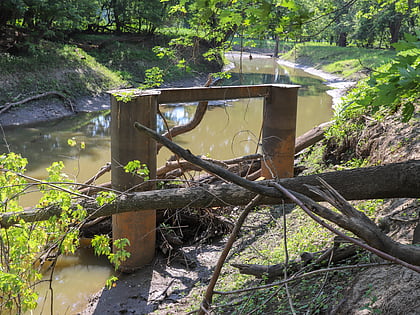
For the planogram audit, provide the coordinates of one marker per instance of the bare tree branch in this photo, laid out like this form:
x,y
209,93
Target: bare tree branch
x,y
382,246
216,273
210,167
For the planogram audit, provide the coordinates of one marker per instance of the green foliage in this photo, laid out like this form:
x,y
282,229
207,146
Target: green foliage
x,y
365,23
393,86
313,160
343,61
120,254
137,168
353,163
58,67
154,78
124,96
104,197
346,122
221,75
72,142
368,295
162,52
23,244
26,246
370,207
101,246
57,16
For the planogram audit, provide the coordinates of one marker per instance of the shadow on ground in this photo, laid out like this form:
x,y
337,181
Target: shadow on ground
x,y
161,283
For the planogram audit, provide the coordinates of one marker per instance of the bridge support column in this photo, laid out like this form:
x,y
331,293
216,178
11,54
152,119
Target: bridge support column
x,y
278,131
127,144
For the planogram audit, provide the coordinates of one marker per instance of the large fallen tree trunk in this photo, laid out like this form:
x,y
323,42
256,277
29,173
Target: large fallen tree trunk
x,y
349,218
397,180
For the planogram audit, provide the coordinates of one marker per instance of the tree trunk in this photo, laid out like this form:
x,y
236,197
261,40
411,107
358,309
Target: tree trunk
x,y
397,180
394,28
342,39
276,47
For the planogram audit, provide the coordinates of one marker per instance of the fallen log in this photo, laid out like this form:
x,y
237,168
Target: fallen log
x,y
7,106
275,271
311,137
397,180
348,217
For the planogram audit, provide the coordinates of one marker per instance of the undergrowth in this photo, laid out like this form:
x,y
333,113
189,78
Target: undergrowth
x,y
54,66
90,64
316,294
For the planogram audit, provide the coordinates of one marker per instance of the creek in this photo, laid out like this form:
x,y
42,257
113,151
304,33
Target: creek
x,y
229,129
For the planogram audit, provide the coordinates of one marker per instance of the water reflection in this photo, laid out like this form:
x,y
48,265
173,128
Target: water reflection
x,y
44,143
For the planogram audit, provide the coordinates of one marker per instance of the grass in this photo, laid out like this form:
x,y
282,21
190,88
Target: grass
x,y
265,246
102,64
54,66
343,61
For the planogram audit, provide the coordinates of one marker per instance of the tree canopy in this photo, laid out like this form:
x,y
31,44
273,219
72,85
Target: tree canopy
x,y
367,23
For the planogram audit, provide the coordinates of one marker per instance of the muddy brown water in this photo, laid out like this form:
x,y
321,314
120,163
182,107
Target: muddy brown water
x,y
229,129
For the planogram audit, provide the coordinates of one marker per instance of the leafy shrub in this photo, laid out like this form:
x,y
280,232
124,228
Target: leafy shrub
x,y
25,247
393,86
